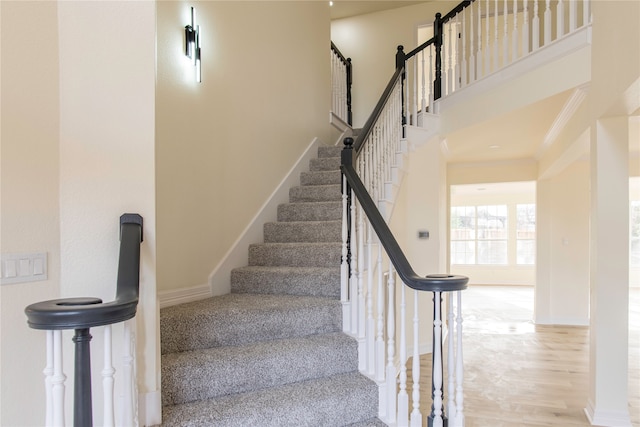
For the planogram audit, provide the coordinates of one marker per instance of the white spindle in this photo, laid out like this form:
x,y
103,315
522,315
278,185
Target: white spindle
x,y
48,376
463,65
344,266
535,26
560,19
547,23
437,361
380,350
459,368
415,92
416,415
472,46
57,381
353,280
451,406
514,53
449,41
496,44
480,55
403,397
505,34
525,29
457,71
362,343
431,94
573,15
487,40
586,12
108,373
391,347
129,404
371,326
423,107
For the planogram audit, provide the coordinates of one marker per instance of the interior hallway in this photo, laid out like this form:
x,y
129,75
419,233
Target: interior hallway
x,y
520,374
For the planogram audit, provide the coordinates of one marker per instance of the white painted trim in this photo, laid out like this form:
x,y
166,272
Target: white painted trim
x,y
182,295
150,408
605,418
342,126
564,321
579,149
238,255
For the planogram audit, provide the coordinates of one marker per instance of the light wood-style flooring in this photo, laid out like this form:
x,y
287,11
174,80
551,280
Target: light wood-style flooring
x,y
518,374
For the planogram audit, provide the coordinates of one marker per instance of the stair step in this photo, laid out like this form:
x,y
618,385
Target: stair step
x,y
321,177
311,281
324,164
209,373
310,211
330,150
303,231
315,193
373,422
239,319
339,400
296,254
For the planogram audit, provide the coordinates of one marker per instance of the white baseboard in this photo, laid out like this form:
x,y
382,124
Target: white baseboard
x,y
150,408
238,254
182,295
607,418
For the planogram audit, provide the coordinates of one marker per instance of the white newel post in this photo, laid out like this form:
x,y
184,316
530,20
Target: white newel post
x,y
108,373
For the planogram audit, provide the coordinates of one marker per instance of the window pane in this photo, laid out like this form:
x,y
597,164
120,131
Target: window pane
x,y
463,252
463,223
492,222
526,228
526,252
492,252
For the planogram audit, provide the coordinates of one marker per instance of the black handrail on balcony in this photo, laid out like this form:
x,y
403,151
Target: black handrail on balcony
x,y
81,314
349,70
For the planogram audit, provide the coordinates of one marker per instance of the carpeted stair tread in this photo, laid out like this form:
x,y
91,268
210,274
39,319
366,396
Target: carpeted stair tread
x,y
330,150
334,401
238,319
324,164
373,422
310,211
296,254
321,177
303,231
315,193
311,281
208,373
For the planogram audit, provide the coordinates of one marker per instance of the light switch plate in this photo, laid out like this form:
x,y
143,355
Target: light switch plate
x,y
23,268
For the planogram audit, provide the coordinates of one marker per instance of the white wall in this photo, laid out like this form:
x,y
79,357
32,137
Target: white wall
x,y
225,144
77,152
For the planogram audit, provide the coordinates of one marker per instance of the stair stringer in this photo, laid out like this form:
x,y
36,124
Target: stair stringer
x,y
237,256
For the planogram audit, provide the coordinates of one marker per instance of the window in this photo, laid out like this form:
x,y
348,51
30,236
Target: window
x,y
479,235
526,234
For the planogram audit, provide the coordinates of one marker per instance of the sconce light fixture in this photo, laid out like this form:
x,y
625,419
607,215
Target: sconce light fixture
x,y
192,44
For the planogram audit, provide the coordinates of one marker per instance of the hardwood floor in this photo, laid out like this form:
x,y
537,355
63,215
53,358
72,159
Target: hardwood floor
x,y
518,374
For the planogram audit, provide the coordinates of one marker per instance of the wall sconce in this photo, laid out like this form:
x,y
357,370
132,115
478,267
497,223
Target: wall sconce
x,y
192,44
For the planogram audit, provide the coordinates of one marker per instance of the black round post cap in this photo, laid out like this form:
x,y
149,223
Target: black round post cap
x,y
348,142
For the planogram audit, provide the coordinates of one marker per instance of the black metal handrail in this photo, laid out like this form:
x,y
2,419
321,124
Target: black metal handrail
x,y
349,82
432,283
84,313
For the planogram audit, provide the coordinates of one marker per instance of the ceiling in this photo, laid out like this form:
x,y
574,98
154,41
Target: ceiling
x,y
345,9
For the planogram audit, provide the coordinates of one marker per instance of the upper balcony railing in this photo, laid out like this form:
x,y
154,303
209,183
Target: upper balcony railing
x,y
341,78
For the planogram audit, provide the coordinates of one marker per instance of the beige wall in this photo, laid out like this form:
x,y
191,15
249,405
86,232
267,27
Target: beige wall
x,y
224,145
77,152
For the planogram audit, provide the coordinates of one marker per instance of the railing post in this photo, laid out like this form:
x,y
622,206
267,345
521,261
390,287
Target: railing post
x,y
437,34
400,62
349,83
82,410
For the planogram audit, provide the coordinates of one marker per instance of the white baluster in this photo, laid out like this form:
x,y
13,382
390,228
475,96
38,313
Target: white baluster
x,y
573,15
403,397
431,94
457,71
472,46
344,266
459,368
487,39
423,107
514,53
547,23
48,376
353,280
391,348
451,407
463,65
437,361
480,55
416,415
108,373
525,29
415,92
380,349
535,27
371,326
449,62
505,41
57,381
130,394
560,19
496,44
362,344
586,12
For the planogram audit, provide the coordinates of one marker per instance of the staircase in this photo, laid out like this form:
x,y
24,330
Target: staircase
x,y
271,353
